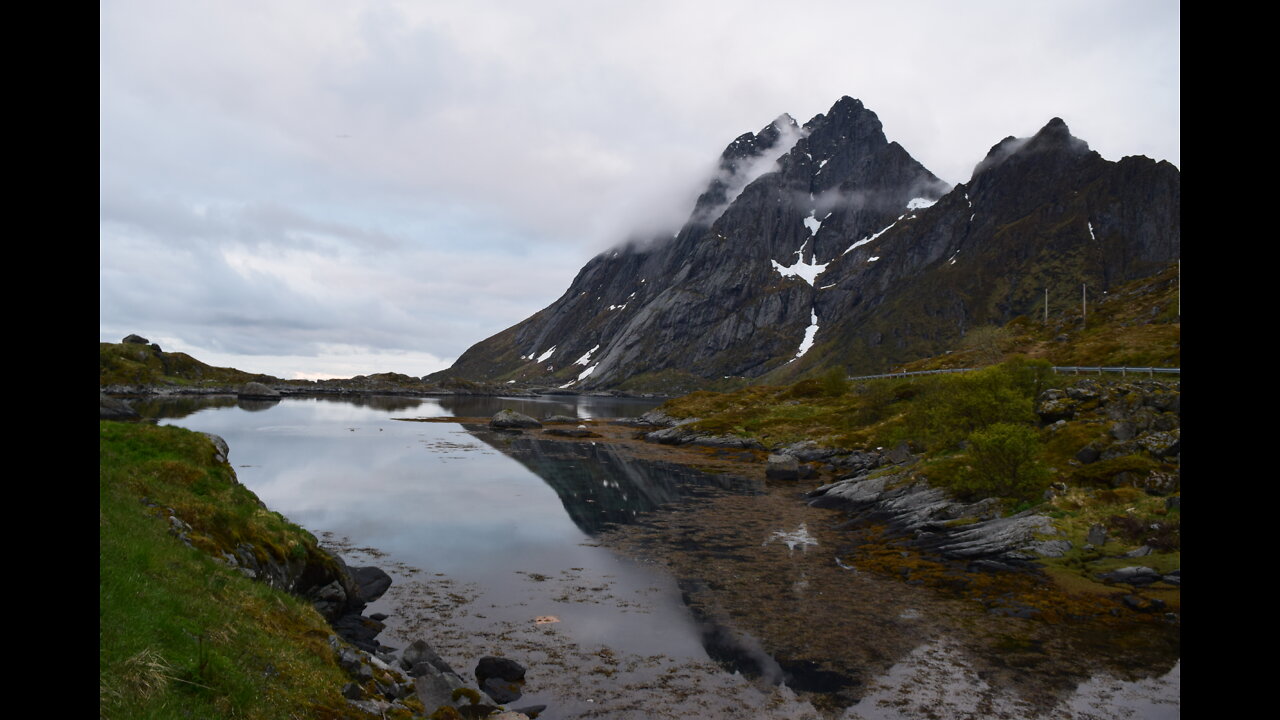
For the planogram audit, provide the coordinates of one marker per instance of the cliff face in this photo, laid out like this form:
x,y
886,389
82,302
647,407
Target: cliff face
x,y
829,245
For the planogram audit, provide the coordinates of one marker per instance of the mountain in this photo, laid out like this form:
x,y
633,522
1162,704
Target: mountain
x,y
827,245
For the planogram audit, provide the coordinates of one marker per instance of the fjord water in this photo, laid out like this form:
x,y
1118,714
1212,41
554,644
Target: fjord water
x,y
473,538
491,540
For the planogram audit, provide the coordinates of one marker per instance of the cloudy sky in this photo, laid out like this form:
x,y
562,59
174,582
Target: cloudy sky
x,y
320,188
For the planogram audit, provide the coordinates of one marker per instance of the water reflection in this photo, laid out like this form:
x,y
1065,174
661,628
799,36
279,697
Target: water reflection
x,y
256,404
178,407
585,407
598,486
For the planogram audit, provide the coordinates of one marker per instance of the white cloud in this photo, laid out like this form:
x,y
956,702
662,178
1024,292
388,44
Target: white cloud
x,y
397,158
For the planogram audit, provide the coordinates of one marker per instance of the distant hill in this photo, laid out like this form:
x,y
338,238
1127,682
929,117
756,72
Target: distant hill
x,y
136,361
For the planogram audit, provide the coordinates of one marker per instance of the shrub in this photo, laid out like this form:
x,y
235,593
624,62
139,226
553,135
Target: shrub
x,y
835,382
1003,461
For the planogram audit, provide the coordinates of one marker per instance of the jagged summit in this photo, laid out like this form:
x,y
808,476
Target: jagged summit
x,y
828,245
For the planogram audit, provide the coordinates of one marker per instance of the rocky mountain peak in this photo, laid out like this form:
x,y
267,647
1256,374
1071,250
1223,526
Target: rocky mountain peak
x,y
827,245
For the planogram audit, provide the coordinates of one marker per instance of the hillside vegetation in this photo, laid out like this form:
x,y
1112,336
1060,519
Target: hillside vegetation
x,y
1084,452
180,634
133,363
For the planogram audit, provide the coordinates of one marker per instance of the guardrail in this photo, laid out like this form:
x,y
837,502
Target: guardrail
x,y
1149,371
1124,371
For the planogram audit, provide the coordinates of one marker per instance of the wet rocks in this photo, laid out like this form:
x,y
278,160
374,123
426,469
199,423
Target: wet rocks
x,y
511,420
500,677
970,531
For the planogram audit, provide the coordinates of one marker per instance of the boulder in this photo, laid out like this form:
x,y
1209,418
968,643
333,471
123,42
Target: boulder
x,y
1088,454
371,583
782,467
1097,535
421,653
257,390
500,678
511,420
221,449
136,339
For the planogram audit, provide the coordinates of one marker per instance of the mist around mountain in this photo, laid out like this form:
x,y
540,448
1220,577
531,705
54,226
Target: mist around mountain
x,y
826,245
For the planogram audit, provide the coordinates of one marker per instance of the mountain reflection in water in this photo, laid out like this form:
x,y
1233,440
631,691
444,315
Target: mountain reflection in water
x,y
598,486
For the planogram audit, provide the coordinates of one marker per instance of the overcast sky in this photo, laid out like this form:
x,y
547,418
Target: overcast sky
x,y
320,188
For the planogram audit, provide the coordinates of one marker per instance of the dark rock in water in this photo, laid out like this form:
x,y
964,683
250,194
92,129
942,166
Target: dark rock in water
x,y
136,339
502,691
490,666
110,408
500,678
510,419
371,582
532,711
560,419
782,467
258,390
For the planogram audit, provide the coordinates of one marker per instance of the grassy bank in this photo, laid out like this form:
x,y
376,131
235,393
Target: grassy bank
x,y
181,635
978,435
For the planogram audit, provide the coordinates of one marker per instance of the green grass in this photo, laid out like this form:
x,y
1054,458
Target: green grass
x,y
180,635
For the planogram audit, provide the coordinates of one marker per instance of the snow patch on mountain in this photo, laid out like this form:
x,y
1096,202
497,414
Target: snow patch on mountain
x,y
866,240
809,333
586,357
813,223
805,271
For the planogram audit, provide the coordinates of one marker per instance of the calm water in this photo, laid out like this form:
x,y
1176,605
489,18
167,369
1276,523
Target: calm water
x,y
491,541
474,538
